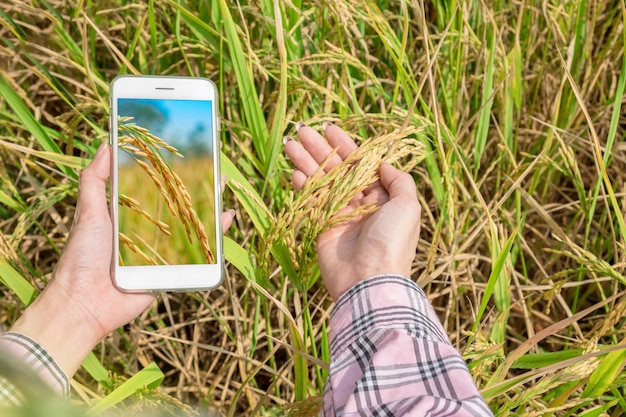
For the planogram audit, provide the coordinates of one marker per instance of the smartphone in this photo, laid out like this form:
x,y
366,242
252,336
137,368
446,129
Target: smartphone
x,y
165,184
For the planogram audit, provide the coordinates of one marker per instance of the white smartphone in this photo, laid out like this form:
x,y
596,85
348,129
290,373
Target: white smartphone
x,y
165,184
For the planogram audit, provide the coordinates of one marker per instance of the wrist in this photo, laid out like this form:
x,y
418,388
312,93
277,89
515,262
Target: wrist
x,y
382,270
56,324
376,268
337,287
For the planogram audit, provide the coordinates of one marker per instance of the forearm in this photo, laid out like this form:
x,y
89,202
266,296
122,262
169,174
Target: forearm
x,y
389,352
24,352
55,322
51,338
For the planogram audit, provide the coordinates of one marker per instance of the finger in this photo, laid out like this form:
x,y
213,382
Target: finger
x,y
92,184
227,216
227,219
300,157
337,138
298,178
373,186
397,183
378,195
317,146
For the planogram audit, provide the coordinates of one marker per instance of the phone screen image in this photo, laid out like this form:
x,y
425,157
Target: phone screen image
x,y
165,177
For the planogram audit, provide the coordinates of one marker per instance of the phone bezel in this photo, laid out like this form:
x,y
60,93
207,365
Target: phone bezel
x,y
188,277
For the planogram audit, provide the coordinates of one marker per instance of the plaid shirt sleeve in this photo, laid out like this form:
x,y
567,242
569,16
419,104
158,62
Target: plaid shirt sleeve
x,y
33,355
390,356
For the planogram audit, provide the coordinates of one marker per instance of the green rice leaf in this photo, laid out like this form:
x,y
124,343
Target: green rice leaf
x,y
540,360
599,410
484,118
494,276
276,134
239,258
10,202
258,213
93,366
30,123
149,377
252,110
200,28
605,375
246,194
17,283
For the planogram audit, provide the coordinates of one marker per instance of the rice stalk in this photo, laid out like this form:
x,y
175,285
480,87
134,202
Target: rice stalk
x,y
133,204
128,242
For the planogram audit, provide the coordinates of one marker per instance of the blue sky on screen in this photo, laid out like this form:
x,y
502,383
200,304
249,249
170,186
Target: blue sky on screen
x,y
184,124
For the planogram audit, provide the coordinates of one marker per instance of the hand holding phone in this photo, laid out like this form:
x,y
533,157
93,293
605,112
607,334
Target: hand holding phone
x,y
165,189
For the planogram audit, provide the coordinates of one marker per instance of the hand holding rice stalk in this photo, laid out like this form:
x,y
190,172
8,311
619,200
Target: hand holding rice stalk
x,y
342,187
146,150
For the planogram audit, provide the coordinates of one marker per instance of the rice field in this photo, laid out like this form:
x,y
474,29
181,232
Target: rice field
x,y
509,116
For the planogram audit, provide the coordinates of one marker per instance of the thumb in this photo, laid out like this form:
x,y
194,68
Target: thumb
x,y
93,180
397,183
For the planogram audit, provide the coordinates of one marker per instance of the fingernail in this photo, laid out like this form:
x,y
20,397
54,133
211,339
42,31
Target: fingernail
x,y
287,139
232,212
299,125
224,178
326,124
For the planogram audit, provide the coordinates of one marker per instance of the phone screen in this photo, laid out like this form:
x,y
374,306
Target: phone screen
x,y
166,213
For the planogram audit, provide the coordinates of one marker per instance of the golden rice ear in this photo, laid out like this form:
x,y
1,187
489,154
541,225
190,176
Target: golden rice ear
x,y
128,242
319,205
